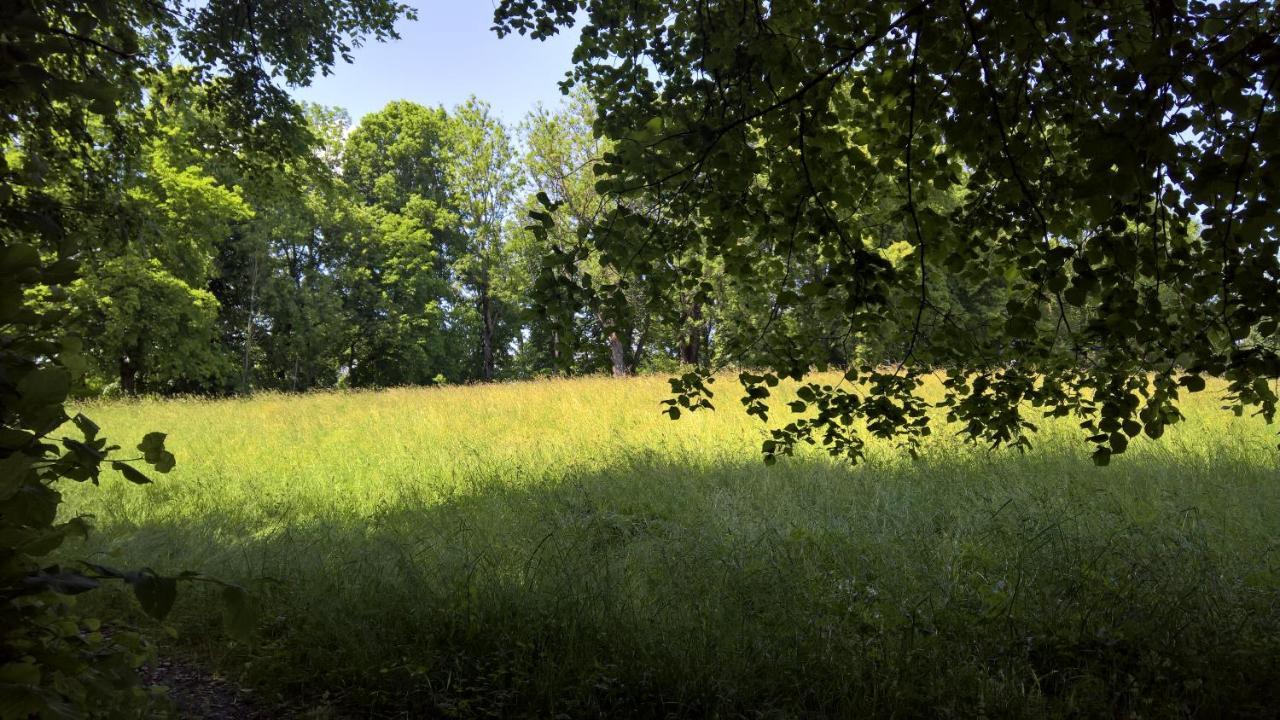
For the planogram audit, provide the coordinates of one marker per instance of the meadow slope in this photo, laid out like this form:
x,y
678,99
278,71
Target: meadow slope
x,y
560,547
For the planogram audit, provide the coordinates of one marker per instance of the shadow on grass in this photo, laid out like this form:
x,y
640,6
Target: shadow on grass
x,y
1011,586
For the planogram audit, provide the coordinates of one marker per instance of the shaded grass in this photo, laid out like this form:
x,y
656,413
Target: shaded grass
x,y
561,548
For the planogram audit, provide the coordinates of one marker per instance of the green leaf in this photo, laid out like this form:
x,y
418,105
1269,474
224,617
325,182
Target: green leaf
x,y
13,473
87,426
18,256
44,386
152,443
1154,429
1119,443
1131,427
62,582
89,454
33,505
156,594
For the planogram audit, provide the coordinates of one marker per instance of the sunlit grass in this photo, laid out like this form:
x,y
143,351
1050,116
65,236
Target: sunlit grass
x,y
561,546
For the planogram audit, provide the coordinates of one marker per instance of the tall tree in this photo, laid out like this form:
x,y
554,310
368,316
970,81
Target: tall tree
x,y
397,275
280,306
562,156
397,154
148,258
483,180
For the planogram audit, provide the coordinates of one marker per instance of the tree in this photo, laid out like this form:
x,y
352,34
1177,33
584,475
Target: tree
x,y
72,73
304,332
562,155
280,279
403,322
1090,139
142,297
397,154
482,177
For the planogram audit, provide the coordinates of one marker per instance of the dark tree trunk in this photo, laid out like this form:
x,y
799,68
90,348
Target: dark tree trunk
x,y
128,376
691,344
486,335
618,356
248,327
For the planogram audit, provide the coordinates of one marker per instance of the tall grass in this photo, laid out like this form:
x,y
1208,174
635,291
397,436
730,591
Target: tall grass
x,y
561,548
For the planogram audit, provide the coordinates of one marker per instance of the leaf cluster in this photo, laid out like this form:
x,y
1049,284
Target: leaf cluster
x,y
72,74
1064,207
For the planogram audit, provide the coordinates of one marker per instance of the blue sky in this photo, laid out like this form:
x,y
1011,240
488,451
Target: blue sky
x,y
446,55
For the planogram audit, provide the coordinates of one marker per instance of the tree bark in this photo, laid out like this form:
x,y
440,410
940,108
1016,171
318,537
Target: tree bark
x,y
618,356
691,343
128,376
486,335
248,327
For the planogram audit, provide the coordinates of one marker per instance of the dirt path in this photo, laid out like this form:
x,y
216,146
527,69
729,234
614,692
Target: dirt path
x,y
197,694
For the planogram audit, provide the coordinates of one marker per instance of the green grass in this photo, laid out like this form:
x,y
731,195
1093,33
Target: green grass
x,y
560,547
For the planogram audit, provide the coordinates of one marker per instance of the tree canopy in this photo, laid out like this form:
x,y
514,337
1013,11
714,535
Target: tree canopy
x,y
103,225
1106,169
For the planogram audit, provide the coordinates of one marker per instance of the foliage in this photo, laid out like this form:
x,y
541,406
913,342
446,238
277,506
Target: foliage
x,y
482,177
142,296
563,153
392,254
157,330
71,85
53,663
396,155
396,270
1111,166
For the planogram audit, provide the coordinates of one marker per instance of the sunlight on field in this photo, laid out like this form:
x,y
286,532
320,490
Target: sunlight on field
x,y
562,545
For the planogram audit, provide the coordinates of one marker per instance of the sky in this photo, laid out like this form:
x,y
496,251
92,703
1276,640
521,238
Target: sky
x,y
446,55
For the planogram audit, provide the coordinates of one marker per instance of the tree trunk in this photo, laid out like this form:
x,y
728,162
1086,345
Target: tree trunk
x,y
128,376
618,355
351,366
248,327
691,343
486,335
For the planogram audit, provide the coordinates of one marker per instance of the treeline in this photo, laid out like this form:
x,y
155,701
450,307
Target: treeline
x,y
397,252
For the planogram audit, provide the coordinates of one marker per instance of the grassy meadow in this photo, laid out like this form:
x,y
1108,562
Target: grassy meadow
x,y
560,548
